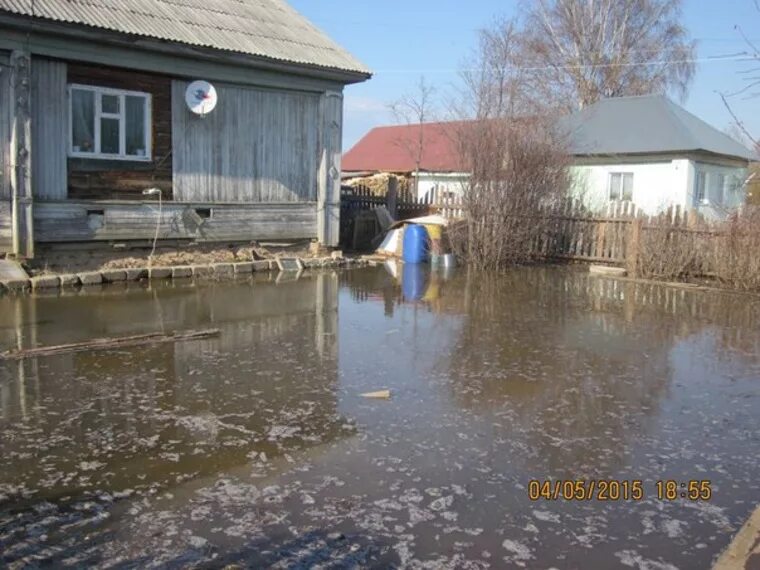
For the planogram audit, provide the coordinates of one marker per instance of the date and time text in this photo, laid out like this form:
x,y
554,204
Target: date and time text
x,y
619,490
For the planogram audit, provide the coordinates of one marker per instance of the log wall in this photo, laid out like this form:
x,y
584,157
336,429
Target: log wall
x,y
96,179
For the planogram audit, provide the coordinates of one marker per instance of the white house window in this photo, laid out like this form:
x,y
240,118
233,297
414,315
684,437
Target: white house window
x,y
621,186
720,187
109,123
701,188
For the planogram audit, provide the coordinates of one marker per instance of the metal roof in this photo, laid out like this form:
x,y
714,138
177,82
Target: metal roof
x,y
394,149
265,28
643,125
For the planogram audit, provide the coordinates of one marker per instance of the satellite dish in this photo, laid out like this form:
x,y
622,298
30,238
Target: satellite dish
x,y
200,97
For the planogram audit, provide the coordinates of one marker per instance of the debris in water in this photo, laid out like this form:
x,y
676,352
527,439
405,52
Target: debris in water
x,y
379,395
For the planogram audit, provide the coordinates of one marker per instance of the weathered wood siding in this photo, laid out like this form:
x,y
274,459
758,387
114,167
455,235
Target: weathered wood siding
x,y
49,129
331,129
83,221
6,238
256,146
6,231
5,126
94,179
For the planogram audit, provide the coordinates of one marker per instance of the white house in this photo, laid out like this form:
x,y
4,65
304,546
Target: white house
x,y
652,152
646,150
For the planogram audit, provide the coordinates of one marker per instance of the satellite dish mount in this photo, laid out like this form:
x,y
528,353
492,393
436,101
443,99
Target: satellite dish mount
x,y
200,97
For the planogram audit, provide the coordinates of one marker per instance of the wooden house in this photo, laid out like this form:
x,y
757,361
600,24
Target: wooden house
x,y
94,119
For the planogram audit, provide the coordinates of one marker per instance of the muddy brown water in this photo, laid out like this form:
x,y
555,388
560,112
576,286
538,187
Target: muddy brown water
x,y
256,448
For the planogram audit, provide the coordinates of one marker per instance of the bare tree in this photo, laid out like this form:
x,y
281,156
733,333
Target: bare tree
x,y
494,83
516,160
414,109
579,51
751,89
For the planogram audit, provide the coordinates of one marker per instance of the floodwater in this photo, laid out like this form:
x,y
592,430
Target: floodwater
x,y
256,448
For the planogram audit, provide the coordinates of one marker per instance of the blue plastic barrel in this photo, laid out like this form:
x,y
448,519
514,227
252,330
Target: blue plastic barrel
x,y
415,244
413,281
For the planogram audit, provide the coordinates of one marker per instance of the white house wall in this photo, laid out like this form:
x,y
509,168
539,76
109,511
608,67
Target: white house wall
x,y
658,185
434,186
655,185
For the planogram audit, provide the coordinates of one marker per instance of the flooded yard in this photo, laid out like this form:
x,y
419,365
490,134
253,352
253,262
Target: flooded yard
x,y
256,448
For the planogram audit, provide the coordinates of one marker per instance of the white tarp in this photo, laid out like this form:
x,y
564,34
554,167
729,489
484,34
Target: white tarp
x,y
392,243
433,220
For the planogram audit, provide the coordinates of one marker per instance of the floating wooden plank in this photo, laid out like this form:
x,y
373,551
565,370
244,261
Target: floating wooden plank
x,y
109,343
744,550
606,270
379,395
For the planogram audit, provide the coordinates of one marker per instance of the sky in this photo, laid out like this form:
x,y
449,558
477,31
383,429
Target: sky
x,y
401,40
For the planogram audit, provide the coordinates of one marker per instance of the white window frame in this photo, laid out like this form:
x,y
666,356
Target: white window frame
x,y
121,116
700,187
720,183
622,175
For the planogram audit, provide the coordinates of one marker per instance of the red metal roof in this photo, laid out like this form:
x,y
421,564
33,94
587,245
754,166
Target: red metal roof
x,y
394,149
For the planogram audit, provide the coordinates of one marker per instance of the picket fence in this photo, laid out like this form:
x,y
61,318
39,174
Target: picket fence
x,y
569,231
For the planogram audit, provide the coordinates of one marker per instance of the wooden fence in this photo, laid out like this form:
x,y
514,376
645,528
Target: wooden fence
x,y
356,230
569,231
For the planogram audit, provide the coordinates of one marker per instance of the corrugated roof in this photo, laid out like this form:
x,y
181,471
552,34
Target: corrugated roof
x,y
648,124
266,28
394,149
645,124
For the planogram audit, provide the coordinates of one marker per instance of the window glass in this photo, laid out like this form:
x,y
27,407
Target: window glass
x,y
720,182
615,184
110,123
628,186
109,136
109,104
83,121
135,125
699,193
621,186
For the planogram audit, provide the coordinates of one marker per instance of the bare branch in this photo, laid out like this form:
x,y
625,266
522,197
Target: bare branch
x,y
581,51
414,109
739,123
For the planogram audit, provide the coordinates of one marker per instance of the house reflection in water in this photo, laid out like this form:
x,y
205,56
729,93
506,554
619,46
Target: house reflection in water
x,y
148,415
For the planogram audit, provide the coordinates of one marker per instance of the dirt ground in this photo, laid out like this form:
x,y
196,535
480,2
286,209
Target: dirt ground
x,y
73,260
189,257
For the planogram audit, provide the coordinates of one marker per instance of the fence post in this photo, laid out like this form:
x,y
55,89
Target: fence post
x,y
392,197
634,247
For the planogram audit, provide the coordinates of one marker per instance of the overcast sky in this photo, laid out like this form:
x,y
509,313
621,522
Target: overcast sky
x,y
403,39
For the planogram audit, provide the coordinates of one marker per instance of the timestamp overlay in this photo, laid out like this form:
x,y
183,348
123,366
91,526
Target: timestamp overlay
x,y
618,490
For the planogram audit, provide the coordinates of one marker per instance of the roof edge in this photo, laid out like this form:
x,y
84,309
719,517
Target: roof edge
x,y
147,43
665,153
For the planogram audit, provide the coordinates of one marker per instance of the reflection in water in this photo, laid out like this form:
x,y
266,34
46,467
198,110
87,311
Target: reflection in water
x,y
256,446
